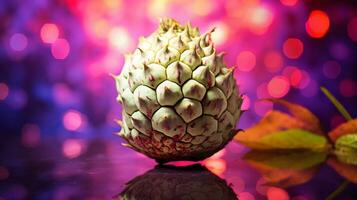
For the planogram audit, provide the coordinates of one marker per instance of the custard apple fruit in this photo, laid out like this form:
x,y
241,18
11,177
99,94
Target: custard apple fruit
x,y
180,101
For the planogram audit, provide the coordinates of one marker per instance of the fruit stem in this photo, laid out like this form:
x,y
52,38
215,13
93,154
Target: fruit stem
x,y
336,103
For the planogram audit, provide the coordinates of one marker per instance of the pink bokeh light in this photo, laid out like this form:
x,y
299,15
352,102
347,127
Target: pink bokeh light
x,y
317,24
246,61
72,148
72,120
278,86
60,49
352,29
4,91
275,193
273,61
293,48
348,88
49,33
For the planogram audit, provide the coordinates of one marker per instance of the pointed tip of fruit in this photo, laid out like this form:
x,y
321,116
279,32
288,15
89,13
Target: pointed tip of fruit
x,y
231,70
126,145
222,54
119,122
113,76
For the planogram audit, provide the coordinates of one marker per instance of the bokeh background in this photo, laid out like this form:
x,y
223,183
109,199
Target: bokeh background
x,y
56,57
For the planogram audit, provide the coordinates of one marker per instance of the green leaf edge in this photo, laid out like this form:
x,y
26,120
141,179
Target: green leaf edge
x,y
263,144
322,146
336,103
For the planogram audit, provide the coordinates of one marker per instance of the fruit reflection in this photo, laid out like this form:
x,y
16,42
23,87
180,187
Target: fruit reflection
x,y
170,182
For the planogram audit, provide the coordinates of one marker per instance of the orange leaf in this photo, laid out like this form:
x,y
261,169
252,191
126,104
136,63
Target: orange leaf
x,y
274,121
311,122
344,129
347,171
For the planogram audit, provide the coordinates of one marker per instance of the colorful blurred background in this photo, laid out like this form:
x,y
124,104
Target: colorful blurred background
x,y
56,57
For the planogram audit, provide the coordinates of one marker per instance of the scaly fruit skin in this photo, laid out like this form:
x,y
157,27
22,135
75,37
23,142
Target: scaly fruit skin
x,y
172,183
180,101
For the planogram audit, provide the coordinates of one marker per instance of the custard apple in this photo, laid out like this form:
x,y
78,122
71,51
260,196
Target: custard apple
x,y
180,101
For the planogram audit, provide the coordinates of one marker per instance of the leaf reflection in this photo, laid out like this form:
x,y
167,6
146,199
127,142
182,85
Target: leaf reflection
x,y
285,168
347,171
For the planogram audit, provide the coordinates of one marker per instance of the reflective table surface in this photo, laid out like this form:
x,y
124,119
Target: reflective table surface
x,y
103,169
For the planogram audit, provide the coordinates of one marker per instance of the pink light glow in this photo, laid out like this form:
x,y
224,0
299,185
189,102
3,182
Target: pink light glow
x,y
98,28
261,186
72,120
289,2
246,102
216,166
275,193
30,135
245,196
273,61
348,88
260,20
246,61
262,107
202,7
293,48
262,91
62,94
49,33
182,163
278,86
295,78
219,36
120,39
238,183
317,24
4,91
219,154
72,148
305,80
294,75
352,29
18,42
60,49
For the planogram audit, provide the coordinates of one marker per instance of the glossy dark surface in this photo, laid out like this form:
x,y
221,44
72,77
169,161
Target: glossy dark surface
x,y
101,169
